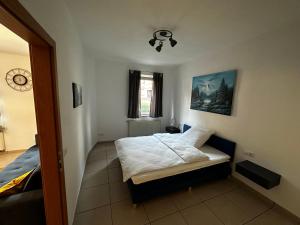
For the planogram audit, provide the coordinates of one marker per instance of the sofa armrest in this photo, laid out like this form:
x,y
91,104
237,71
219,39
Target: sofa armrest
x,y
26,208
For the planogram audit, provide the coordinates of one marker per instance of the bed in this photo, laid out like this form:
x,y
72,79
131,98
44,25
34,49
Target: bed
x,y
152,166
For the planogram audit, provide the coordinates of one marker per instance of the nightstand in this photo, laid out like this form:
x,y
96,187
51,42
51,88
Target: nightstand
x,y
258,174
172,129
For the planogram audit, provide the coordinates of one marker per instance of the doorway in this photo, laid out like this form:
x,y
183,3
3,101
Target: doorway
x,y
43,68
17,111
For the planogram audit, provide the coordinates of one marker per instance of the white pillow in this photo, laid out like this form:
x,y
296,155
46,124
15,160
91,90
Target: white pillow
x,y
196,136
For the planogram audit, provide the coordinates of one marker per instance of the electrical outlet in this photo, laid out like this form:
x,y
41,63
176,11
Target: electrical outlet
x,y
250,154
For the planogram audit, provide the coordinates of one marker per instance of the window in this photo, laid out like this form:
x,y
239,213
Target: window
x,y
146,94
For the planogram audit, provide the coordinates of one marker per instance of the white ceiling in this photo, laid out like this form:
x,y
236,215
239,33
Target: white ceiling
x,y
12,43
121,29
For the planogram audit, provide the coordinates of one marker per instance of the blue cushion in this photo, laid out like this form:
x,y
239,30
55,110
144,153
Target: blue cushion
x,y
24,163
186,127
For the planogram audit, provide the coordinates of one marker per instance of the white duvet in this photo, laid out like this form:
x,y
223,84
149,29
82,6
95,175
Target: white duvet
x,y
150,153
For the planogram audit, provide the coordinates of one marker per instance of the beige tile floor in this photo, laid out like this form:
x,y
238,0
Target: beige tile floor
x,y
105,200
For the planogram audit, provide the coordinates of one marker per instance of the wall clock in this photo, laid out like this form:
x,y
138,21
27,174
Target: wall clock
x,y
19,79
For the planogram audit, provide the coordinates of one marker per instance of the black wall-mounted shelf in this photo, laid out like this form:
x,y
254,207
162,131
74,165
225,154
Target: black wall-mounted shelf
x,y
258,174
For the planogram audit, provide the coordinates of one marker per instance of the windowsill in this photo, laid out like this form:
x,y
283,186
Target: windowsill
x,y
143,118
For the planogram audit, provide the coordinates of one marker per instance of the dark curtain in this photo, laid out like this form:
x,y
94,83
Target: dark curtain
x,y
134,94
156,103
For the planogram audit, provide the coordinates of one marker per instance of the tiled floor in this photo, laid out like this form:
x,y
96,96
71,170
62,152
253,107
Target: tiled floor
x,y
8,156
105,200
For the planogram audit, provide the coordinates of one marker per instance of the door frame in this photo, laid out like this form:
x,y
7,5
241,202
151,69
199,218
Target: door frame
x,y
44,74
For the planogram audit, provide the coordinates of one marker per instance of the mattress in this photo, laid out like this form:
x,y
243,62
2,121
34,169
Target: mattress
x,y
139,155
215,157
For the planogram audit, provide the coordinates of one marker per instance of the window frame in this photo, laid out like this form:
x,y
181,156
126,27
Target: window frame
x,y
145,76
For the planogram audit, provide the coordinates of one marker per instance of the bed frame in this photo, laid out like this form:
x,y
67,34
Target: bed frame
x,y
145,191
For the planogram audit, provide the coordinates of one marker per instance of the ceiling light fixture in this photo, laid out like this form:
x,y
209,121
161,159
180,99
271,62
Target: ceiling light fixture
x,y
158,48
161,36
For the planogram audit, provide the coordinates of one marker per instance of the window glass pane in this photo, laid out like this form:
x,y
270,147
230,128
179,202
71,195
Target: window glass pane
x,y
146,95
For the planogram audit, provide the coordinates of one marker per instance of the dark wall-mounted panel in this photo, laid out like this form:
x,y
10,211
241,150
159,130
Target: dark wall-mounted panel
x,y
258,174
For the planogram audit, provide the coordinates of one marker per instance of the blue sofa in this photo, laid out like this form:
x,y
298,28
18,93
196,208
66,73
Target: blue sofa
x,y
27,206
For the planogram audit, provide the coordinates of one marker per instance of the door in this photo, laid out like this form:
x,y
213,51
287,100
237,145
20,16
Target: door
x,y
43,66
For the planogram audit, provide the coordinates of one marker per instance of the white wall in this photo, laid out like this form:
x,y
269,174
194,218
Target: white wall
x,y
17,107
266,108
90,122
73,65
112,96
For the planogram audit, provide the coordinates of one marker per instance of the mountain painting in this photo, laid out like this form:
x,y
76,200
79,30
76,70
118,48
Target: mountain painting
x,y
214,92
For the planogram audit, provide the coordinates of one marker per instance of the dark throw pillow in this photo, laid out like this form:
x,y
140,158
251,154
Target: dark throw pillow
x,y
34,181
186,127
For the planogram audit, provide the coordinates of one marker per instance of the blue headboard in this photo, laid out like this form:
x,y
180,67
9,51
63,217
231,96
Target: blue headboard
x,y
223,145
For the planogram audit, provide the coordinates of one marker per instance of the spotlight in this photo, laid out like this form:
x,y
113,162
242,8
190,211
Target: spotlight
x,y
172,42
158,48
152,41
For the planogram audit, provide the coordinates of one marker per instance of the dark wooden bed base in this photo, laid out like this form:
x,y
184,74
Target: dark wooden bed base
x,y
145,191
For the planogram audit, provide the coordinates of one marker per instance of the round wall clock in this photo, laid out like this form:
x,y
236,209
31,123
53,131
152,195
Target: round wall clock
x,y
19,79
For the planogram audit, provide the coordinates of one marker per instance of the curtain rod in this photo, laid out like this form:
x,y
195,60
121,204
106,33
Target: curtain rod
x,y
145,72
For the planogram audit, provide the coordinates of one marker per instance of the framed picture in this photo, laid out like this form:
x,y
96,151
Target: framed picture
x,y
214,92
77,95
